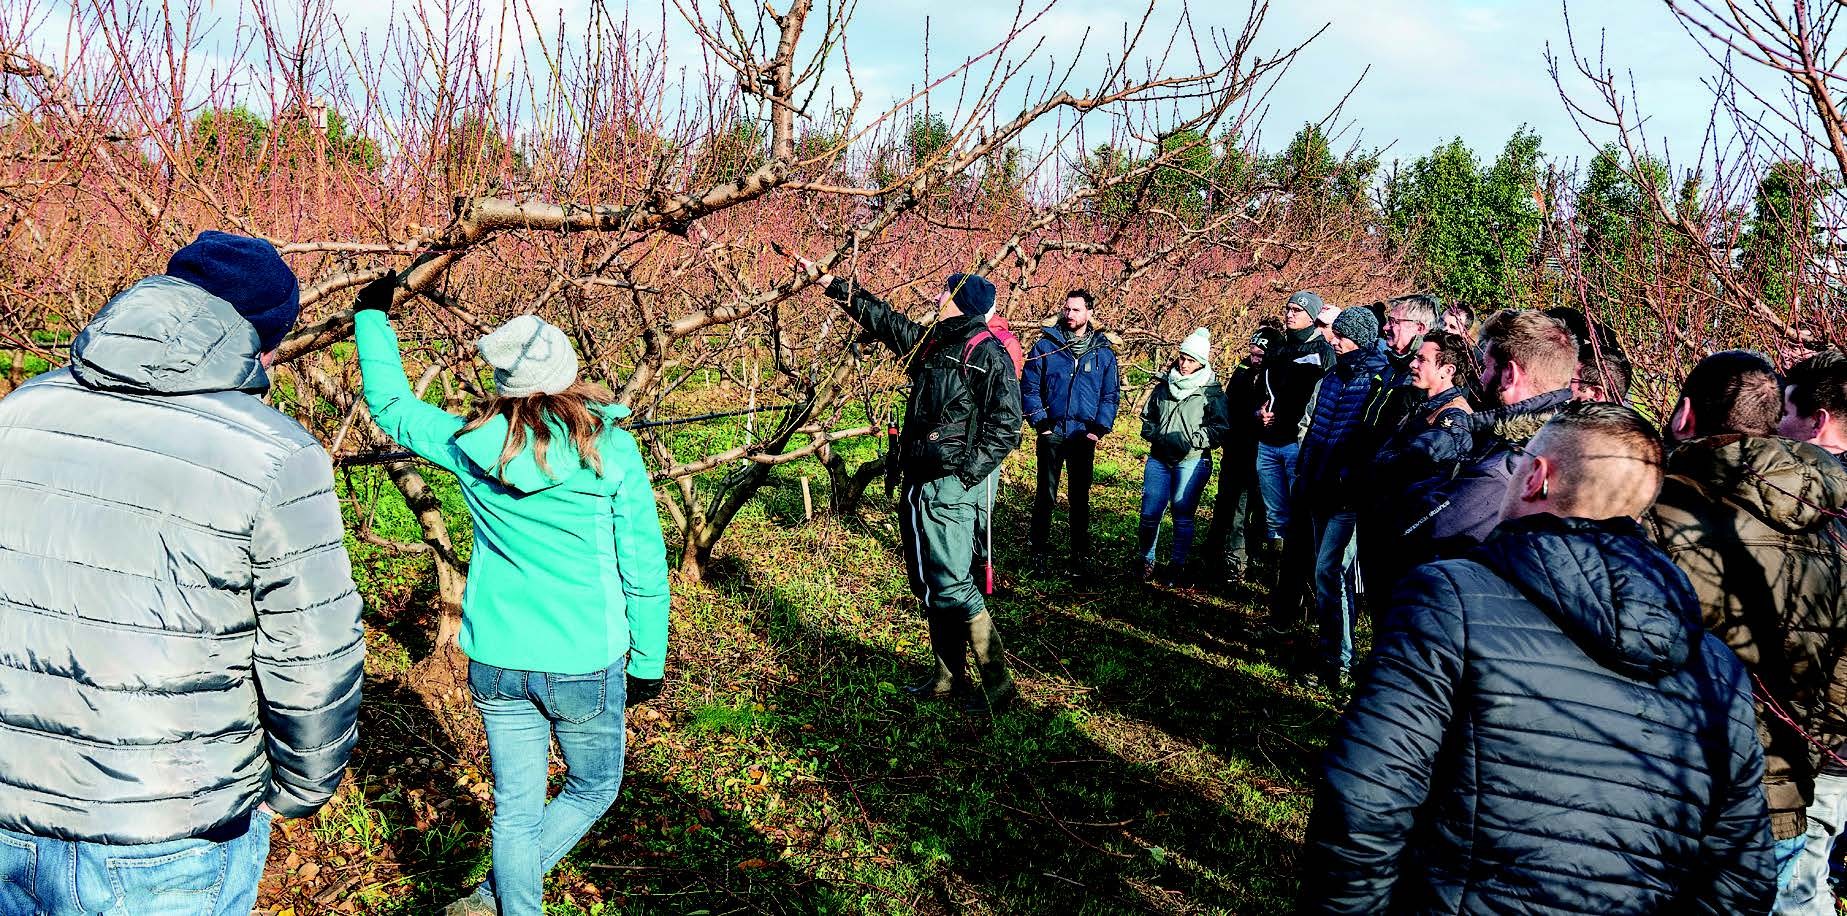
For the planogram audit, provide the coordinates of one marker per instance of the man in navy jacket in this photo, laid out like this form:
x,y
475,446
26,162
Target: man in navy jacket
x,y
1069,393
1544,726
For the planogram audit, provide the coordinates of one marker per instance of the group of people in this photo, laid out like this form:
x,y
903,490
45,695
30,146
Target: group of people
x,y
1609,662
1608,669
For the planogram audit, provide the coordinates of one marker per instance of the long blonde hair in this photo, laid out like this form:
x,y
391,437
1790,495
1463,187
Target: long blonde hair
x,y
573,407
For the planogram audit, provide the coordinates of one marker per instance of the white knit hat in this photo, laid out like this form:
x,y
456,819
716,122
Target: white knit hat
x,y
1199,346
529,357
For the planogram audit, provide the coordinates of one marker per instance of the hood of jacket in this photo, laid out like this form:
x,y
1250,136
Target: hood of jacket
x,y
1794,487
1520,422
164,335
1606,585
522,473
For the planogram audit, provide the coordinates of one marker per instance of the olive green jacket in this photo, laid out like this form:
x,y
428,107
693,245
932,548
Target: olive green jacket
x,y
1755,524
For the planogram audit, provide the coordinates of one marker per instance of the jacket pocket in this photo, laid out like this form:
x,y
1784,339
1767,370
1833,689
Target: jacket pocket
x,y
943,449
576,698
18,876
182,883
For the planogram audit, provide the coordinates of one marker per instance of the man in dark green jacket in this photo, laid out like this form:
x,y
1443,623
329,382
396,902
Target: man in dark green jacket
x,y
1754,522
962,420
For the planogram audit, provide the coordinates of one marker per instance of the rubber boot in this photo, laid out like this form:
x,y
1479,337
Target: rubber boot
x,y
997,691
950,646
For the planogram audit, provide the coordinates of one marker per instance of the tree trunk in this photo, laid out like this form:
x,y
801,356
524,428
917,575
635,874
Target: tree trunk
x,y
846,490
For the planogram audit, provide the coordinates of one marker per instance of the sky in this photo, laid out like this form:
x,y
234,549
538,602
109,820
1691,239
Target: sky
x,y
1433,69
1439,69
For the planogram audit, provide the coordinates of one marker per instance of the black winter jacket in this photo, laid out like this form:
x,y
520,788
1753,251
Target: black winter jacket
x,y
1449,514
1544,727
1290,373
963,418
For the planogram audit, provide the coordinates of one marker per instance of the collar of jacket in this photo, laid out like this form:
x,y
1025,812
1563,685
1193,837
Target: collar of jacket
x,y
166,336
1793,487
1520,421
1438,400
1306,335
1094,337
1401,362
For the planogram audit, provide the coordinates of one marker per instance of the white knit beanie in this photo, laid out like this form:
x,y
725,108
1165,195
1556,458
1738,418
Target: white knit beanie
x,y
529,357
1199,346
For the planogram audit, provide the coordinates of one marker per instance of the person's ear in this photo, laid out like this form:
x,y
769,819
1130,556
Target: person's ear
x,y
1537,485
1680,425
1512,375
1823,417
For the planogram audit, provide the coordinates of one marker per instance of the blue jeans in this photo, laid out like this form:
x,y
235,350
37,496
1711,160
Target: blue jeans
x,y
1179,485
40,876
523,711
1276,477
1802,884
1334,589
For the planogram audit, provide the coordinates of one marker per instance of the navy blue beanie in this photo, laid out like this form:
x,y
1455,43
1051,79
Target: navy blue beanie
x,y
974,295
249,274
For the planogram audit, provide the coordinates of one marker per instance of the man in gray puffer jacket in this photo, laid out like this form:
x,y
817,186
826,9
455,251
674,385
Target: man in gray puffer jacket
x,y
180,648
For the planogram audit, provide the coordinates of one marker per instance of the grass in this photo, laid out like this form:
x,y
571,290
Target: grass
x,y
1160,762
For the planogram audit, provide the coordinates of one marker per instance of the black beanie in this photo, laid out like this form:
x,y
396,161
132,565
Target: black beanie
x,y
973,293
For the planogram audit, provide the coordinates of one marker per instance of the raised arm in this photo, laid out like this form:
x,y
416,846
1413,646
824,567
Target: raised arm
x,y
899,333
425,429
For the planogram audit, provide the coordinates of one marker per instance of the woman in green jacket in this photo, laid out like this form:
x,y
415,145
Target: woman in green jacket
x,y
564,620
1183,420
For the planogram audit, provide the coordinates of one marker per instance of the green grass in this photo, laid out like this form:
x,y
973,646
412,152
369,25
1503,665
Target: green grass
x,y
1160,762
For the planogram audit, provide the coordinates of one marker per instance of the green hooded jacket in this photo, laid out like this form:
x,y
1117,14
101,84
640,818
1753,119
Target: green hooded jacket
x,y
569,571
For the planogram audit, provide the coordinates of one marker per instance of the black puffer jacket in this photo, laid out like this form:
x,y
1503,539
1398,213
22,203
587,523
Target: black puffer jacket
x,y
1545,728
963,417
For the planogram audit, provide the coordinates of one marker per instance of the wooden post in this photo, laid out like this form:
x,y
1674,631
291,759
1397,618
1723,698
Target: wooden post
x,y
807,502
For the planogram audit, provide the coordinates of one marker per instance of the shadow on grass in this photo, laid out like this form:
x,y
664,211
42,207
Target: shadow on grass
x,y
1031,812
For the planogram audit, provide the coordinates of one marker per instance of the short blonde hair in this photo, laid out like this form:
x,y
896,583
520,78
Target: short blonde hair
x,y
1606,459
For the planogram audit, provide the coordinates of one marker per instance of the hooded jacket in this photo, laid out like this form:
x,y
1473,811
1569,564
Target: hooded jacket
x,y
1181,422
1330,450
963,417
1754,523
1290,373
1067,392
569,570
179,632
1544,728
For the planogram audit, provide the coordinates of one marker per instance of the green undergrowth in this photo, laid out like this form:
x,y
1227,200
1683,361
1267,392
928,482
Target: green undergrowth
x,y
1160,761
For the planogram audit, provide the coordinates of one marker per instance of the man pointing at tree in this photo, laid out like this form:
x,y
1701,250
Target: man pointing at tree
x,y
962,420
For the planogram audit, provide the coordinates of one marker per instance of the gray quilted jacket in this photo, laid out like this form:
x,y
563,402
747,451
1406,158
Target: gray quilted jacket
x,y
179,632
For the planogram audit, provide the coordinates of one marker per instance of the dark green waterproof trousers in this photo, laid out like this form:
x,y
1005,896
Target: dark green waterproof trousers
x,y
937,522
